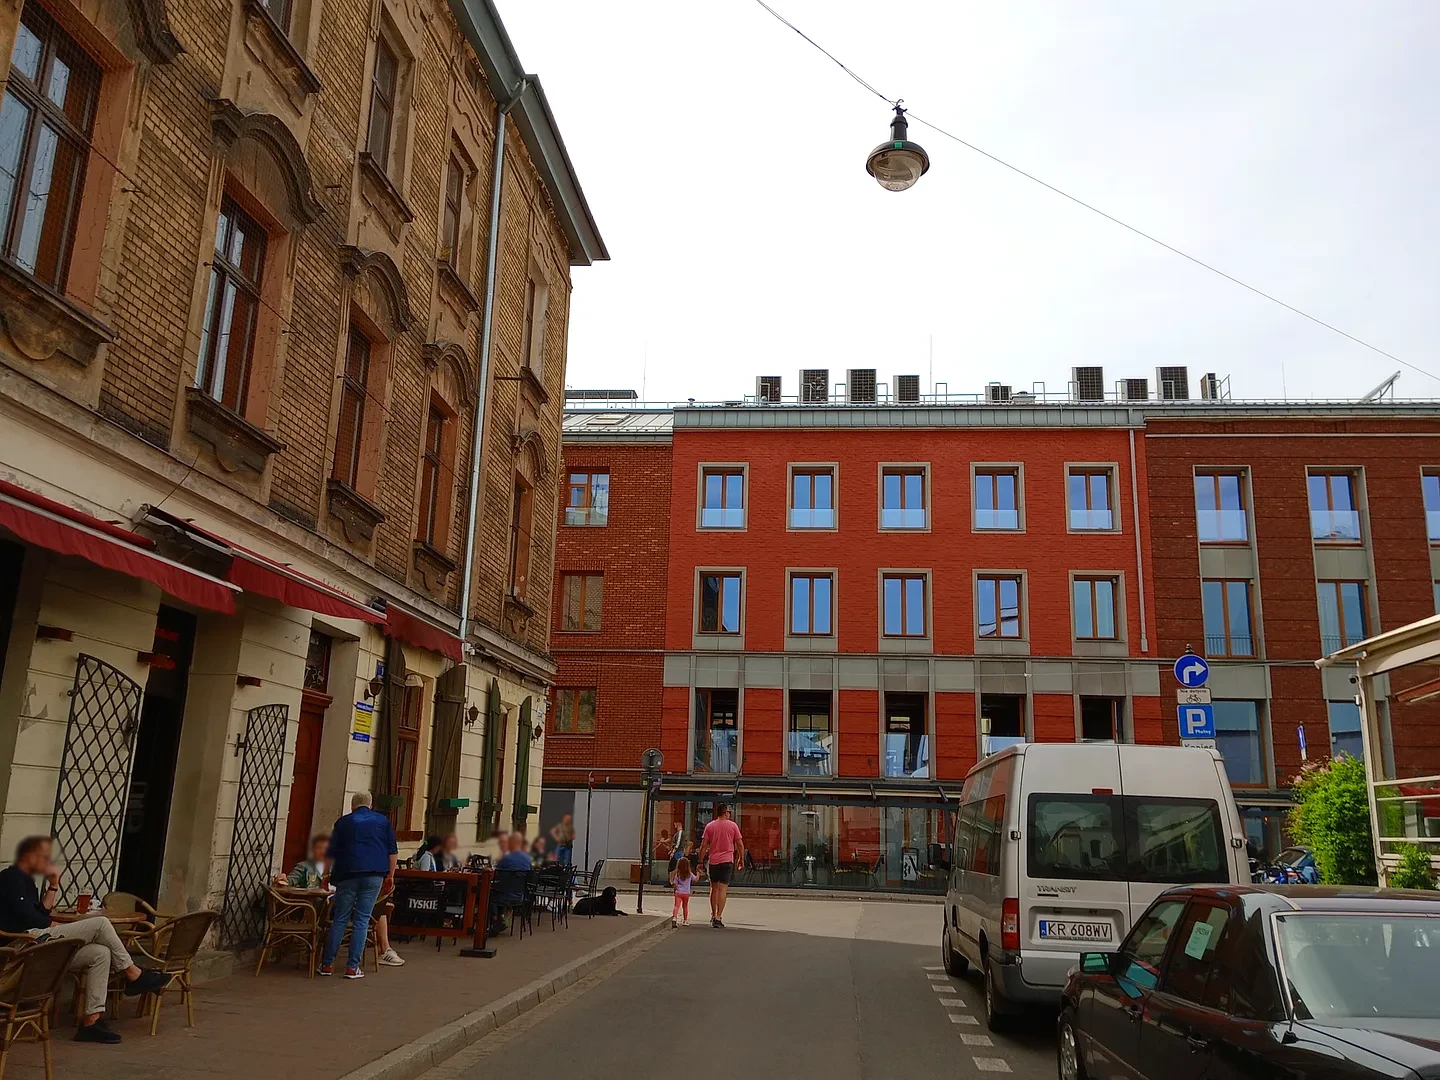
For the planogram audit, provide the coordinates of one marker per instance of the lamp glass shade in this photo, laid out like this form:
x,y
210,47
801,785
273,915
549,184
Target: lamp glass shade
x,y
897,167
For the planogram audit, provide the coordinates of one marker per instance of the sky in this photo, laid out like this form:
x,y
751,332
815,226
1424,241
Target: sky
x,y
1292,144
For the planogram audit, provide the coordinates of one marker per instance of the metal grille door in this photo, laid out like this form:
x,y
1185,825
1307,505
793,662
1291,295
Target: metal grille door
x,y
95,777
257,812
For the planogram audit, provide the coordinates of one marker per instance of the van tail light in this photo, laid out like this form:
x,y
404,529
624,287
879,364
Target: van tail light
x,y
1010,925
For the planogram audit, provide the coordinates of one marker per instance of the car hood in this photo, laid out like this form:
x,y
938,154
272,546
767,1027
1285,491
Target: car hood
x,y
1414,1043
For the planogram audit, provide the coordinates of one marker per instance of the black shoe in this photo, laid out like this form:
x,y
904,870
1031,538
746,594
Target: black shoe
x,y
98,1032
148,982
716,923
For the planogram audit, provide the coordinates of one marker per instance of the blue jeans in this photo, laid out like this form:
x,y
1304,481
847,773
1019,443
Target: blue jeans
x,y
354,901
563,853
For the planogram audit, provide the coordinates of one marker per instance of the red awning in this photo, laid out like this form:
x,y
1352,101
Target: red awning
x,y
265,577
423,635
55,527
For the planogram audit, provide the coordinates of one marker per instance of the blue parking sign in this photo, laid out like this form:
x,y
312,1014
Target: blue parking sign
x,y
1197,721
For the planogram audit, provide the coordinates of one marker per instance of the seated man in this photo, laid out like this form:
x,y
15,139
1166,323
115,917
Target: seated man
x,y
310,873
513,859
449,854
25,910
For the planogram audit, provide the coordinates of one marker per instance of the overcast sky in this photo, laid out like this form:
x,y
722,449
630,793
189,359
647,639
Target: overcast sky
x,y
1292,144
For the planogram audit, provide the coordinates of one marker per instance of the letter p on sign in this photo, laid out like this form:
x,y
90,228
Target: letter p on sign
x,y
1197,721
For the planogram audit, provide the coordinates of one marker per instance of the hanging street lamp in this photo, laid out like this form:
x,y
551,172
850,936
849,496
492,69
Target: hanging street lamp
x,y
897,164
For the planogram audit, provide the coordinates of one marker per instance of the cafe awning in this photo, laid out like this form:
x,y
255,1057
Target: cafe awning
x,y
66,531
416,631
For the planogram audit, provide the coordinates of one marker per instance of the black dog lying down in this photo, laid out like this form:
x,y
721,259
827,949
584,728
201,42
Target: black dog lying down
x,y
604,904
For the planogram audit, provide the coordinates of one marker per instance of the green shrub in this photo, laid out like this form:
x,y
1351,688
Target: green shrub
x,y
1332,818
1414,871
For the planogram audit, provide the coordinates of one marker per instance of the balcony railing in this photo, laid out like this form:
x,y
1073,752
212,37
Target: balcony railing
x,y
812,518
722,517
1222,526
1099,520
1335,526
894,517
997,519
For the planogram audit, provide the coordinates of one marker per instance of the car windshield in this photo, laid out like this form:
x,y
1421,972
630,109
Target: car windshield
x,y
1291,856
1361,966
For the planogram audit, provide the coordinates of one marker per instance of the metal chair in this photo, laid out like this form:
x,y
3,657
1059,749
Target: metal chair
x,y
29,981
290,923
513,884
171,951
589,882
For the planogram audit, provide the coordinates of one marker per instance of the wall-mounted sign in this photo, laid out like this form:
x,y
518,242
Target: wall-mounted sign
x,y
364,722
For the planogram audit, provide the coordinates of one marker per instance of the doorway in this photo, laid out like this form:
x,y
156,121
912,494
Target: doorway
x,y
907,749
157,743
314,700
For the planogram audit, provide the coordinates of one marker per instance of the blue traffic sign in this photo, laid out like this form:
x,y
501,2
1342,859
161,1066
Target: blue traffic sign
x,y
1197,721
1191,671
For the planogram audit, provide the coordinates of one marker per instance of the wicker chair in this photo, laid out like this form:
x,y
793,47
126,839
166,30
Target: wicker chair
x,y
290,923
170,949
29,981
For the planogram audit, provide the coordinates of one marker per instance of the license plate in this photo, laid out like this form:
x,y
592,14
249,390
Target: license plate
x,y
1071,930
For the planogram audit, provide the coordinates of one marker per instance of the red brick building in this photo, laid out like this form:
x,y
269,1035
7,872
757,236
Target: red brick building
x,y
828,612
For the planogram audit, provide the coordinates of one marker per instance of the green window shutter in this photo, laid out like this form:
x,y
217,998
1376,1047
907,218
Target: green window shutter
x,y
490,765
522,768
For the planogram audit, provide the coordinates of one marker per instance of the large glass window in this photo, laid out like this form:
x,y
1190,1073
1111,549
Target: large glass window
x,y
902,498
349,433
1334,510
997,498
589,502
1125,838
720,603
907,744
1198,970
45,127
810,604
1342,613
1093,608
1144,949
1430,487
722,493
1089,498
432,470
1239,739
383,85
904,597
717,731
812,499
1075,836
1220,508
1226,609
998,606
581,600
812,739
1345,736
1002,721
232,304
454,201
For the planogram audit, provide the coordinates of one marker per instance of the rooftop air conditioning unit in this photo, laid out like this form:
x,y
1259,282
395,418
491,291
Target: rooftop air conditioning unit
x,y
814,386
997,393
1136,389
1210,386
907,388
767,389
1172,383
1089,383
860,386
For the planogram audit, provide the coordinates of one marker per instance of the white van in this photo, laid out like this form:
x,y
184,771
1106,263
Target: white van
x,y
1059,846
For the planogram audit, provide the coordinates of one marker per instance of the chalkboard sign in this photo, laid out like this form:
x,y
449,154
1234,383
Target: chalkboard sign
x,y
438,905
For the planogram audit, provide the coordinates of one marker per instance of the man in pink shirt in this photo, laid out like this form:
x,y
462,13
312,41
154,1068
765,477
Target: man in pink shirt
x,y
725,848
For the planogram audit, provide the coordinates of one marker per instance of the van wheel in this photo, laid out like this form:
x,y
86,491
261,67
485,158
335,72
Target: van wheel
x,y
955,964
997,1007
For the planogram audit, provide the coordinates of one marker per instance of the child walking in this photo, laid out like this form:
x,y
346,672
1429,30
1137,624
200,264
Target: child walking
x,y
683,881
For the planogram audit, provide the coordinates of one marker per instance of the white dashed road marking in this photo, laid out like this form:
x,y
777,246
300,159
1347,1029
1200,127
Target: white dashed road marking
x,y
954,1003
938,978
935,967
943,988
940,982
957,1018
992,1065
975,1040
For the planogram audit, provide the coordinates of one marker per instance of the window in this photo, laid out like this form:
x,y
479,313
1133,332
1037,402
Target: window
x,y
1165,840
350,432
383,85
1342,613
904,601
1101,719
1220,508
581,599
812,741
407,754
1430,488
432,468
717,731
1239,739
45,127
720,603
520,539
1358,965
1002,721
532,331
810,604
1226,609
227,336
907,745
1334,514
280,11
902,498
589,499
998,606
812,499
575,712
1094,608
1075,836
722,499
997,499
454,198
1089,500
1198,970
1345,736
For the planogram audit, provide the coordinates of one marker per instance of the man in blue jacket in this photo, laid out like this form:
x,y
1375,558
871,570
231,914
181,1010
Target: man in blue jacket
x,y
362,861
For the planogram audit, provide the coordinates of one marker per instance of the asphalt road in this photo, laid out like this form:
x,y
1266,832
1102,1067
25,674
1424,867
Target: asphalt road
x,y
794,988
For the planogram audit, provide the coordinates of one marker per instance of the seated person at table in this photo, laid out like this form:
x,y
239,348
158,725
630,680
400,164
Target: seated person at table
x,y
513,859
537,850
427,858
309,873
449,856
25,910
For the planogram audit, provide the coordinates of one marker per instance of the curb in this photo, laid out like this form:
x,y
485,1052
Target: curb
x,y
762,893
420,1055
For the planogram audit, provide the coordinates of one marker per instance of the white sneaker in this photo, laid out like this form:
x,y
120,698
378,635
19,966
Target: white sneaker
x,y
390,958
673,923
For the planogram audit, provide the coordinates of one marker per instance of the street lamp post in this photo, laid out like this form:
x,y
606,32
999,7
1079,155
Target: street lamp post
x,y
899,163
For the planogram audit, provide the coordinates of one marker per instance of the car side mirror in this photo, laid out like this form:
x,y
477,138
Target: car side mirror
x,y
1096,963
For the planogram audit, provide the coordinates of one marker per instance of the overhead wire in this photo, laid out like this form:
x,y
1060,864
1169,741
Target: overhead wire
x,y
896,103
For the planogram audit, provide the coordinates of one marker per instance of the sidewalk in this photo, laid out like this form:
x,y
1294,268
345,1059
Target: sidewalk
x,y
284,1025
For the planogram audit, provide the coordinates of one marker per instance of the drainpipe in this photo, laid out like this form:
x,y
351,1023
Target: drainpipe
x,y
487,323
1139,550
